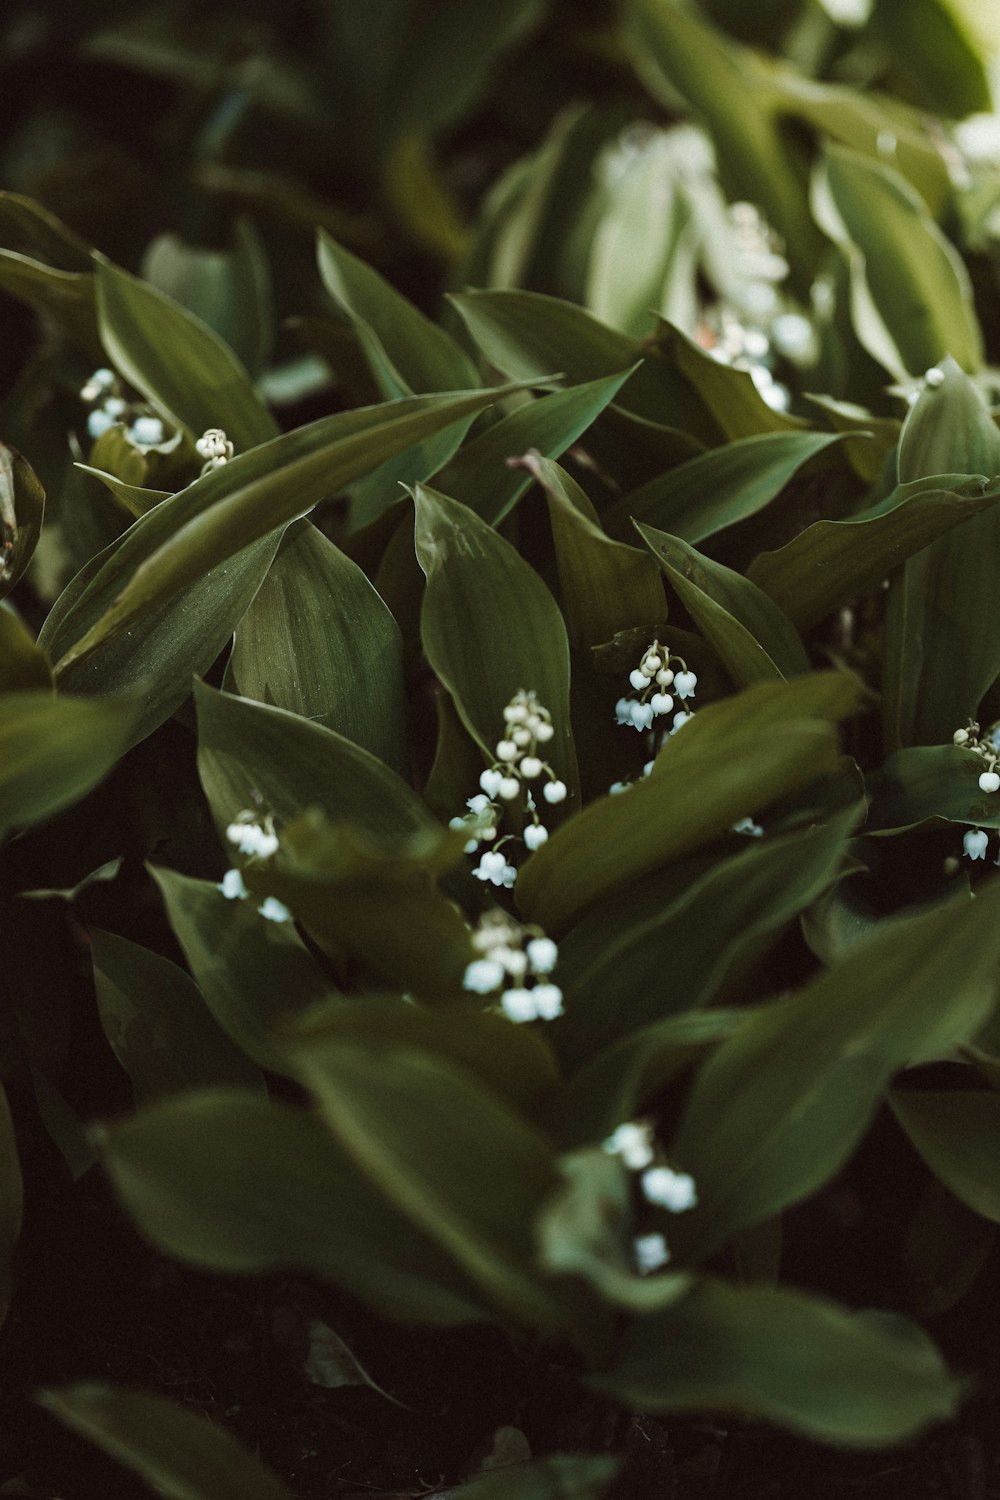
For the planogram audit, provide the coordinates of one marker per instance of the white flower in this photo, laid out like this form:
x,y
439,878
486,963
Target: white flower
x,y
543,954
685,684
934,377
530,767
544,732
548,1001
989,781
661,703
650,1252
535,835
680,719
490,782
232,886
623,711
555,791
509,787
633,1143
214,447
274,910
251,838
98,423
960,737
642,715
674,1191
664,677
975,842
748,826
479,804
483,976
491,867
518,1005
506,750
638,679
101,380
618,786
146,432
115,406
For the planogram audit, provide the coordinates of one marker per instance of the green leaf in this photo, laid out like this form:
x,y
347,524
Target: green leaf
x,y
22,510
605,586
778,734
319,642
754,640
780,1106
254,974
177,361
612,966
719,488
30,229
832,562
561,1476
22,665
932,54
930,781
674,50
516,1062
490,627
407,353
229,289
229,508
134,498
957,1132
481,475
53,751
911,298
454,1159
11,1201
529,336
794,1359
940,660
225,1181
157,1024
178,1452
251,756
947,1247
729,393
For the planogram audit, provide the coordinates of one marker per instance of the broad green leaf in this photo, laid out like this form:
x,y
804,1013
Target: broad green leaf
x,y
406,352
254,974
22,664
374,903
939,660
674,50
930,781
911,298
318,641
605,586
530,337
178,1452
455,1160
11,1201
65,298
229,508
229,289
177,361
719,488
781,1105
251,757
585,1230
656,951
931,52
223,1180
832,562
947,1247
729,393
754,640
480,474
514,1061
22,510
157,1024
779,735
957,1132
490,626
53,751
868,440
29,228
788,1357
158,654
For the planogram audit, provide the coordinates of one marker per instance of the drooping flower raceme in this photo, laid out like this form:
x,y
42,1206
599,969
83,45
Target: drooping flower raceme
x,y
215,448
515,964
634,1142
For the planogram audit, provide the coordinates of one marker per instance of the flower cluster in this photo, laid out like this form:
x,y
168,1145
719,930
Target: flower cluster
x,y
517,962
987,748
634,1143
103,392
215,448
657,671
256,840
527,727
